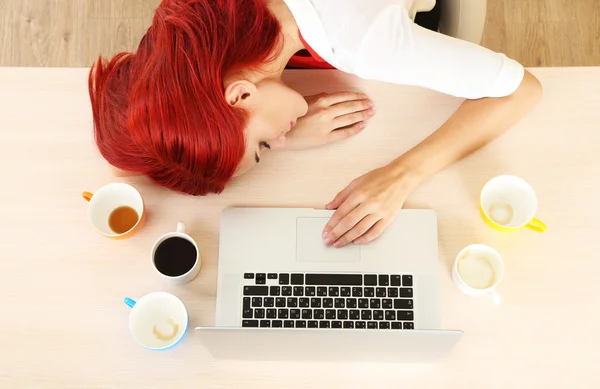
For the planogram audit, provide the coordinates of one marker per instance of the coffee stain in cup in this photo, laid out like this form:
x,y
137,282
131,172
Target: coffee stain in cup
x,y
501,213
170,336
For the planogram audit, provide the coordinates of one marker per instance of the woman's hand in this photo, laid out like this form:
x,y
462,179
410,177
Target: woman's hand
x,y
367,206
330,118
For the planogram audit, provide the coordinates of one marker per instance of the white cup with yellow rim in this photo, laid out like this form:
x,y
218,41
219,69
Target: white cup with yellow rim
x,y
509,203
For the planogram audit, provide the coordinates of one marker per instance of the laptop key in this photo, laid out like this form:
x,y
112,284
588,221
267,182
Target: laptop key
x,y
256,302
247,313
396,325
330,314
403,304
307,314
286,291
342,314
261,281
304,302
246,304
365,315
360,324
298,291
292,302
249,276
313,324
385,303
405,315
340,303
297,279
276,324
372,325
328,303
336,324
348,324
380,292
390,315
384,325
275,290
406,292
363,303
384,280
272,276
284,279
315,302
407,280
409,326
259,313
324,324
300,324
269,302
354,314
265,323
395,280
345,291
294,314
375,303
351,303
393,292
322,291
310,291
334,279
252,290
319,314
369,292
288,324
249,323
271,314
333,291
283,313
378,314
280,302
370,279
357,291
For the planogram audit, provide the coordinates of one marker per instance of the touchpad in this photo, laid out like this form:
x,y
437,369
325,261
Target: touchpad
x,y
311,248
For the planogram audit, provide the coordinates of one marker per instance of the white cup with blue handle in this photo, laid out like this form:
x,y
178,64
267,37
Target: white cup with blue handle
x,y
157,321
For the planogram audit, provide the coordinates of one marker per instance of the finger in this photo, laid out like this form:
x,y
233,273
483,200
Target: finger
x,y
340,97
348,107
347,206
346,223
357,231
352,118
374,232
346,132
340,197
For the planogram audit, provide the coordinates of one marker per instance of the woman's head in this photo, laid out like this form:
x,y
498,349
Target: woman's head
x,y
188,108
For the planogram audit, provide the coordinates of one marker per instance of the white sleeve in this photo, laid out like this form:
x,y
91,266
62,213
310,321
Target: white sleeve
x,y
395,49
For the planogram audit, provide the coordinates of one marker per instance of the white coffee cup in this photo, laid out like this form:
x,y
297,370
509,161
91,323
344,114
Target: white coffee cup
x,y
157,321
477,271
193,271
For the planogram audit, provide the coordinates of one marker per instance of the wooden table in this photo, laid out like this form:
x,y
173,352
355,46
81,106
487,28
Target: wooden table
x,y
63,321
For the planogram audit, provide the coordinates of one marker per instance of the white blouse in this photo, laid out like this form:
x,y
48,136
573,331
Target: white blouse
x,y
377,40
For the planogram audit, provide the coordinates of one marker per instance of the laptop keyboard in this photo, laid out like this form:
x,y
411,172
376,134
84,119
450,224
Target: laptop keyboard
x,y
318,300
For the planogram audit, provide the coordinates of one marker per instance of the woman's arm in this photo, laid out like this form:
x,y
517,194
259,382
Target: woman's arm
x,y
370,203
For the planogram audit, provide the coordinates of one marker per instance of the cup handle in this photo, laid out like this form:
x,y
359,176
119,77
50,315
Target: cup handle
x,y
181,227
536,225
495,296
129,302
87,196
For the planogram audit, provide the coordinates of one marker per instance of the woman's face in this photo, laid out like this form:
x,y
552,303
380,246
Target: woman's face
x,y
273,110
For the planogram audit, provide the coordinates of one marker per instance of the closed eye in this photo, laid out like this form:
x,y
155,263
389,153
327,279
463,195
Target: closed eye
x,y
261,145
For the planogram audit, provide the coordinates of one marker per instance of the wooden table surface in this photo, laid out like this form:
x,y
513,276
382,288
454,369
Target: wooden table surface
x,y
63,323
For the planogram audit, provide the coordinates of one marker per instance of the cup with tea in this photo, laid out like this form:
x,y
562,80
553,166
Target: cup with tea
x,y
116,210
509,203
477,271
175,256
157,321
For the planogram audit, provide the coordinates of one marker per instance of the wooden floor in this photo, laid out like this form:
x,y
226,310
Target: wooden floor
x,y
74,32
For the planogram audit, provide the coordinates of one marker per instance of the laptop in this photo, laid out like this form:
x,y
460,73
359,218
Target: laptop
x,y
282,294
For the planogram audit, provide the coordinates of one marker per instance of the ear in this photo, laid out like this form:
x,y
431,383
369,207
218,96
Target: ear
x,y
237,92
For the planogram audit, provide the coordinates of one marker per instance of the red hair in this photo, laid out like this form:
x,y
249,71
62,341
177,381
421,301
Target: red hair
x,y
161,111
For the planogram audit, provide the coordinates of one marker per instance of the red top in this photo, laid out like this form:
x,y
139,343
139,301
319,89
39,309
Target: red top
x,y
312,61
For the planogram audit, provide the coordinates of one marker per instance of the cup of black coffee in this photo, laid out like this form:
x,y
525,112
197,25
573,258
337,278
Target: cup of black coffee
x,y
175,256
